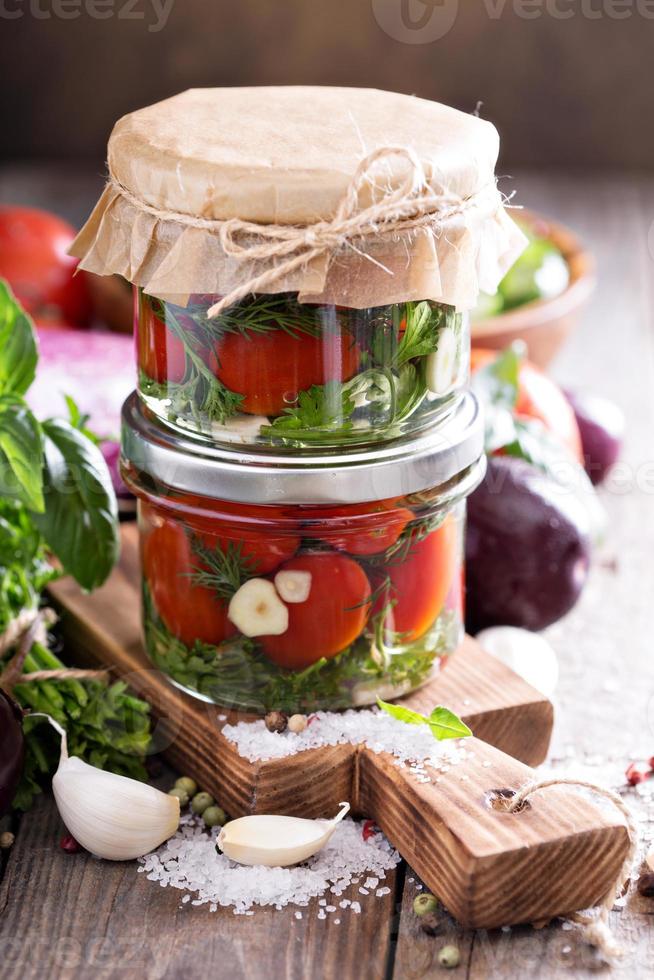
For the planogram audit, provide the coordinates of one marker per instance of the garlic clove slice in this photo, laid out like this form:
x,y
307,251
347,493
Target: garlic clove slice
x,y
293,585
256,609
276,841
442,366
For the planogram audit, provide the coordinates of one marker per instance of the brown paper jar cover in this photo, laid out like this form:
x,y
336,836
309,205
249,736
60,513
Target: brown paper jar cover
x,y
286,156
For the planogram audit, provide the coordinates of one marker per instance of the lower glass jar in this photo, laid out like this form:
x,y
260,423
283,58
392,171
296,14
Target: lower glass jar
x,y
298,603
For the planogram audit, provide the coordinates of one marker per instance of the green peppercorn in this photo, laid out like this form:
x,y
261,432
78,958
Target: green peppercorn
x,y
181,795
187,784
424,903
449,957
200,802
214,816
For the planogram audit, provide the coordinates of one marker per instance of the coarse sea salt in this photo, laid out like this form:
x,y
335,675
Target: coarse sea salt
x,y
189,861
412,745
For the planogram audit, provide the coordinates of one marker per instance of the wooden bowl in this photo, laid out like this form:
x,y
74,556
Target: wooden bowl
x,y
544,324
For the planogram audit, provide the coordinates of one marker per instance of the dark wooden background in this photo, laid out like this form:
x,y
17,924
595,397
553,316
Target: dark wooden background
x,y
569,91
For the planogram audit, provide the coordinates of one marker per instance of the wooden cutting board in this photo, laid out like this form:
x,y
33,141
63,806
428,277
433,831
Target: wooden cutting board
x,y
489,867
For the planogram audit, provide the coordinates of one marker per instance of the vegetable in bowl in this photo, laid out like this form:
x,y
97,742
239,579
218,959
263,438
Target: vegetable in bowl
x,y
541,272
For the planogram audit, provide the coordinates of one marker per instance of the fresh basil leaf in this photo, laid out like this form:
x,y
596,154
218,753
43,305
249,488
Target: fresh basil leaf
x,y
18,351
21,450
80,519
442,722
402,714
445,724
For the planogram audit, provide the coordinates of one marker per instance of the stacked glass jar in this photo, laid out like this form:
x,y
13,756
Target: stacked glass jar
x,y
301,451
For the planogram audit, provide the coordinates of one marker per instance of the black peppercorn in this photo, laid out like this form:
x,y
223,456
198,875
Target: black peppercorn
x,y
276,721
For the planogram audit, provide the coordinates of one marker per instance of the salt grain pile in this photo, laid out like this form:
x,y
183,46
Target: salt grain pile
x,y
377,730
189,861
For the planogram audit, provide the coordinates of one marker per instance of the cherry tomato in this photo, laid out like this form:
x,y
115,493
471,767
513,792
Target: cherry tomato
x,y
35,263
189,611
160,353
269,369
332,617
364,529
539,398
261,548
420,584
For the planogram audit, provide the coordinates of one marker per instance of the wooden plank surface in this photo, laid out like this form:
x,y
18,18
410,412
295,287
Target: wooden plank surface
x,y
605,702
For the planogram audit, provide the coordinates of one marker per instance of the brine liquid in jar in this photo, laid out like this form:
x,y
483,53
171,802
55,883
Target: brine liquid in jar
x,y
299,608
272,372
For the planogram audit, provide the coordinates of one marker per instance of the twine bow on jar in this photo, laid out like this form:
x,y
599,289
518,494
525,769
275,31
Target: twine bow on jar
x,y
412,205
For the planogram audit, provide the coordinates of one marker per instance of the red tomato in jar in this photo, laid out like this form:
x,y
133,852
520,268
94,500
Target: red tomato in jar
x,y
35,263
364,529
159,352
420,584
539,398
269,369
190,612
332,617
265,535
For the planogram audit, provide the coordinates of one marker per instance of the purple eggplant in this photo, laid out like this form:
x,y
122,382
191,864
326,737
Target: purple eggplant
x,y
601,426
12,750
528,548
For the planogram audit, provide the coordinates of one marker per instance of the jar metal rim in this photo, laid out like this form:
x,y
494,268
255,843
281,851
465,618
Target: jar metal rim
x,y
407,465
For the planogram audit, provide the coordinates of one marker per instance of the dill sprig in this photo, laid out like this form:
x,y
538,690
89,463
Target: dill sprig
x,y
222,570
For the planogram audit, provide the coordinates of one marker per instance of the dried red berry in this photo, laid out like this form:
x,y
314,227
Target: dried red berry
x,y
369,829
69,844
635,775
651,763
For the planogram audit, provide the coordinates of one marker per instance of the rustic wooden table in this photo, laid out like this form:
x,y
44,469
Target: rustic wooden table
x,y
63,917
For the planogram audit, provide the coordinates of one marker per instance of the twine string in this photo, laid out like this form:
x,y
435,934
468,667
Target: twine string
x,y
412,205
595,928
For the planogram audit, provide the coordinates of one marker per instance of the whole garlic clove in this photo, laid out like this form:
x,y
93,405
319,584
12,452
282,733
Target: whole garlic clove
x,y
256,609
111,816
276,841
442,367
293,586
527,653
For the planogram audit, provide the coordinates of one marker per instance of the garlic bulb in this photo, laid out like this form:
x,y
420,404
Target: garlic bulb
x,y
527,653
111,816
276,841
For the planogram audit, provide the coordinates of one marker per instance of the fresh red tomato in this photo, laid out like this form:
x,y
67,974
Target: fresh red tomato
x,y
539,398
34,261
331,618
265,535
189,611
159,352
420,584
364,529
269,369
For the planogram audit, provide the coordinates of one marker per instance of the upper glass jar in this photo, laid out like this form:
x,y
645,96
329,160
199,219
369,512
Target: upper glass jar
x,y
304,259
272,372
297,585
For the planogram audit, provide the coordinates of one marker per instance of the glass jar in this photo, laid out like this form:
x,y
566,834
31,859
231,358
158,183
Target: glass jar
x,y
263,589
271,372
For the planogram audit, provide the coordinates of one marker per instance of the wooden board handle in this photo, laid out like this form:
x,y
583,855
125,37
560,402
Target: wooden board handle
x,y
490,867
